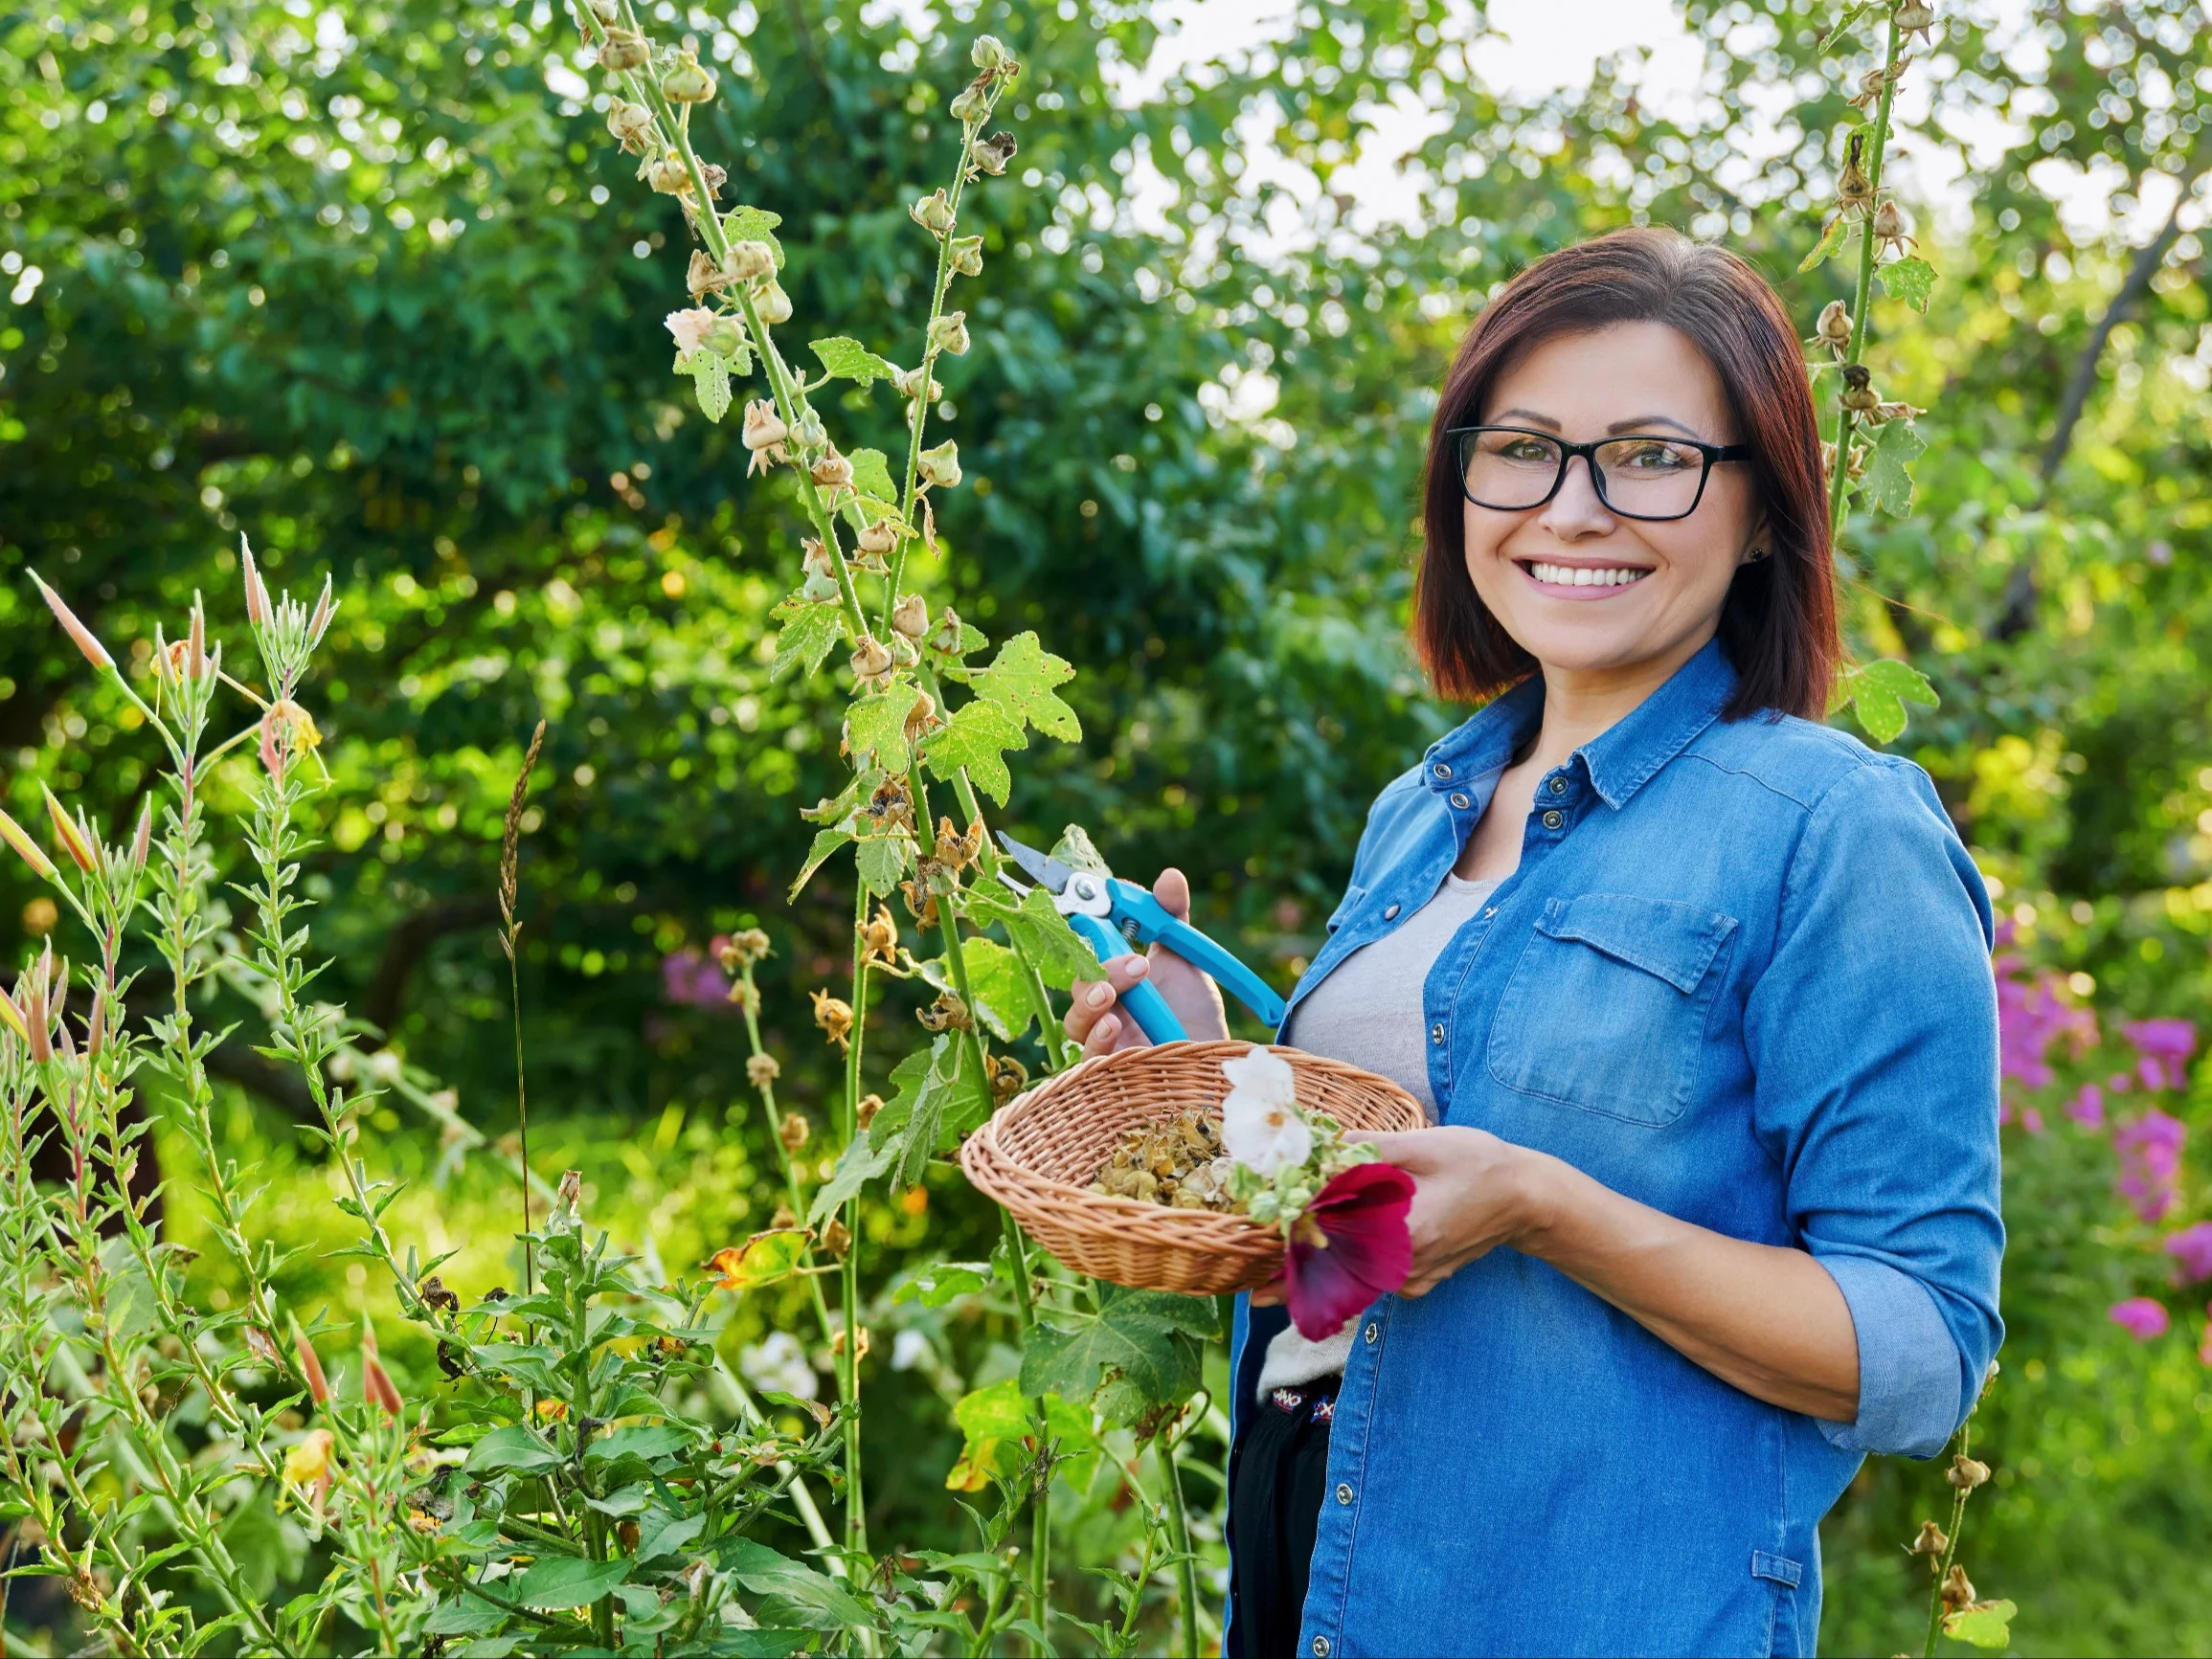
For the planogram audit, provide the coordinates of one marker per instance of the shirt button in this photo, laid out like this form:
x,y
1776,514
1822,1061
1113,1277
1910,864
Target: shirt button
x,y
1344,1493
1390,914
1436,1033
1372,1332
1559,786
1553,819
1320,1648
1459,799
1490,913
1441,769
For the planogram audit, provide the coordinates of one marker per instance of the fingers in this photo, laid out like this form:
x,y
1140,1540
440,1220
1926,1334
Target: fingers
x,y
1173,892
1091,1018
1269,1294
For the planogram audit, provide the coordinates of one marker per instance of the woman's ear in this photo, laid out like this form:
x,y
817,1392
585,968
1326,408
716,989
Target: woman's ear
x,y
1758,540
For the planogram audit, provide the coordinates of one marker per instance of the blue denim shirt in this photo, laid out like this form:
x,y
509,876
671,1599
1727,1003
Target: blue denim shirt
x,y
1742,975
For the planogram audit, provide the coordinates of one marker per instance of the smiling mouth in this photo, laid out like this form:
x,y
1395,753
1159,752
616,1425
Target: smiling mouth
x,y
1584,575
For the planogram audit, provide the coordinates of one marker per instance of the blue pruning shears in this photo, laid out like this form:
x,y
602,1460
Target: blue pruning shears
x,y
1118,918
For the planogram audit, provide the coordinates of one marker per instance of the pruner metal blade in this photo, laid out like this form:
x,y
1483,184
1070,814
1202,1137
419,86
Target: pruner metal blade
x,y
1047,871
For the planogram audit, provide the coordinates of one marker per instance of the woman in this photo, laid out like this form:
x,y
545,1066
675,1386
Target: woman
x,y
1698,994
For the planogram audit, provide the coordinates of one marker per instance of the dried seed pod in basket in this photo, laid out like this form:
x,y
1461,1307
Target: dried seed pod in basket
x,y
1043,1154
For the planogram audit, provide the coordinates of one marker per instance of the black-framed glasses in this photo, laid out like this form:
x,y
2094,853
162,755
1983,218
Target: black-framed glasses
x,y
1640,476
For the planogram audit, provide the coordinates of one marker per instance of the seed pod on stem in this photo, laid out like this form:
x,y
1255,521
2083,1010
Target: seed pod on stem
x,y
1834,329
834,1015
629,124
949,333
749,261
623,50
1859,395
1916,17
1890,233
940,466
989,55
1957,1589
871,665
967,258
1931,1543
257,608
970,106
921,719
993,153
1854,190
793,1132
762,1071
703,276
947,638
28,850
908,385
668,174
71,835
877,539
688,83
911,617
934,212
833,472
94,651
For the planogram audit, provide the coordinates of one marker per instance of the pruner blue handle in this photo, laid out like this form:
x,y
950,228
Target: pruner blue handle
x,y
1136,907
1144,1000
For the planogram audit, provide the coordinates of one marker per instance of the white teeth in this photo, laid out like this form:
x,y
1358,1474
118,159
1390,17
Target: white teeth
x,y
1586,576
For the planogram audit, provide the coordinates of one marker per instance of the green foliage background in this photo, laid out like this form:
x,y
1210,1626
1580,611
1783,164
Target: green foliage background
x,y
371,286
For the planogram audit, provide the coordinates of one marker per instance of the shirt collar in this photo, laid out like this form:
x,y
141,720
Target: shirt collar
x,y
1620,759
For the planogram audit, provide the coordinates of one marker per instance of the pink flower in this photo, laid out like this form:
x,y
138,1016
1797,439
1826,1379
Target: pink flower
x,y
2087,1106
1350,1248
2031,1120
2165,1047
2150,1149
688,325
688,977
2031,1018
2192,1247
2141,1319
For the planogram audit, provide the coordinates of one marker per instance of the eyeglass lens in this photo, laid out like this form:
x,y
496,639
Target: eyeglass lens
x,y
1638,477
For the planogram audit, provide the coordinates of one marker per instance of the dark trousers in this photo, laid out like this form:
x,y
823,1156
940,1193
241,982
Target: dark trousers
x,y
1282,1463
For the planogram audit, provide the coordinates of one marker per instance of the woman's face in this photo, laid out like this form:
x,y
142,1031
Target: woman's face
x,y
1656,590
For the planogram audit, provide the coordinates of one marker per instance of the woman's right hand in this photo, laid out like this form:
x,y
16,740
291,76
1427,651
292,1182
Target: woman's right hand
x,y
1094,1019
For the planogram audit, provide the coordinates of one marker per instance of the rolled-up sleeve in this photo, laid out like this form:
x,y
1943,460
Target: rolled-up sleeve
x,y
1872,1032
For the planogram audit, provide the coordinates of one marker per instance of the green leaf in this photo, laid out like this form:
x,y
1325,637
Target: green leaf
x,y
860,1164
1149,1340
802,1596
711,380
938,1283
971,641
1020,679
976,738
753,225
663,1532
1909,279
1888,480
1878,693
555,1584
765,1256
844,359
1055,949
938,1098
1831,238
1078,852
999,990
876,724
639,1440
872,476
1849,17
1985,1623
514,1448
464,1615
883,860
809,631
989,1417
826,842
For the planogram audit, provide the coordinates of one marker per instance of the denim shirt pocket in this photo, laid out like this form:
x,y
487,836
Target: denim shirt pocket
x,y
1345,905
1605,1010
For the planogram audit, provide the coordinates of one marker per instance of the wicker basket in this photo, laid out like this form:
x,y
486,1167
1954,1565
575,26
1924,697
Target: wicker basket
x,y
1039,1154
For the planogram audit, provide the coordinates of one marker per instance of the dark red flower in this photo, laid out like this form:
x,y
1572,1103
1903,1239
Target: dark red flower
x,y
1350,1248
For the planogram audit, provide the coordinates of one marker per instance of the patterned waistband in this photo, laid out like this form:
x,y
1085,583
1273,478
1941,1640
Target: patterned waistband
x,y
1292,1400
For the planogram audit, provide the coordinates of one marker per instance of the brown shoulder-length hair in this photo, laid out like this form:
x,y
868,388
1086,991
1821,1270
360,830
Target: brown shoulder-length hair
x,y
1778,623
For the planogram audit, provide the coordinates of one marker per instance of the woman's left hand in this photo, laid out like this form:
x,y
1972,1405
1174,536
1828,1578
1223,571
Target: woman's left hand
x,y
1472,1192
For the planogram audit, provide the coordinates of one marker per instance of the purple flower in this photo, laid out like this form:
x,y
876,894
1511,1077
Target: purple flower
x,y
2192,1247
690,979
1350,1248
2031,1019
2150,1149
2087,1106
2165,1047
2141,1319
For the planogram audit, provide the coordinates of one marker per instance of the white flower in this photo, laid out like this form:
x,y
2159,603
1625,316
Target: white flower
x,y
688,325
1260,1122
908,1350
778,1365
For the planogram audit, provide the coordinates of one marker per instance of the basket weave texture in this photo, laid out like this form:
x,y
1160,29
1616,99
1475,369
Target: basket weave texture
x,y
1040,1151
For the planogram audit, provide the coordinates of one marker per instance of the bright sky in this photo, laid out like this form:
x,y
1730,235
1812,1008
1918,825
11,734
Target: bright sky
x,y
1552,45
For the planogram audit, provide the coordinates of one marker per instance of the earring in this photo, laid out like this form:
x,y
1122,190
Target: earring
x,y
1757,554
